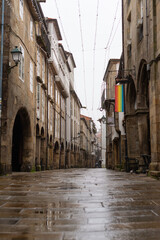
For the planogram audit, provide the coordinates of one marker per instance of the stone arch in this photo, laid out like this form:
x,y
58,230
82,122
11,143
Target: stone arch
x,y
131,97
42,150
56,155
131,126
51,139
143,111
62,147
37,129
22,142
38,148
62,161
56,147
143,86
42,132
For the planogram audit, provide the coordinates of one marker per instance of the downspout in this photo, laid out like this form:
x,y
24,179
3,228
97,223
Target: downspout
x,y
54,121
147,27
47,120
123,61
65,136
60,135
1,66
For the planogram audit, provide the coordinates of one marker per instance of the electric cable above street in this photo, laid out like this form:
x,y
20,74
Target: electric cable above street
x,y
109,39
65,38
82,46
94,47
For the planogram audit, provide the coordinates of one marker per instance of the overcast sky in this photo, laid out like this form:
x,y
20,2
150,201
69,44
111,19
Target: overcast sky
x,y
98,24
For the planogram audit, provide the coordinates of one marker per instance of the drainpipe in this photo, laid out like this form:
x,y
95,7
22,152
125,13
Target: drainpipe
x,y
123,61
47,119
60,135
65,137
1,65
147,27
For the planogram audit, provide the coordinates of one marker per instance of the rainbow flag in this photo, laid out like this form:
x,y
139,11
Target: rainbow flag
x,y
119,98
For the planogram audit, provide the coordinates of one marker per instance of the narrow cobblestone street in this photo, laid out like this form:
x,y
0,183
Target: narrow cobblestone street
x,y
79,204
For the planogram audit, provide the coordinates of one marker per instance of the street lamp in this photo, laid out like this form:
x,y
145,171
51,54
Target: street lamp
x,y
16,56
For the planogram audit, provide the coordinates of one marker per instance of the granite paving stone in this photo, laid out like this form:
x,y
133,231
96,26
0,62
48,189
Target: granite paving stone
x,y
79,204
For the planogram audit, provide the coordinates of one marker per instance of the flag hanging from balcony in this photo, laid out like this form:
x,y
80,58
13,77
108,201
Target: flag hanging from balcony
x,y
119,98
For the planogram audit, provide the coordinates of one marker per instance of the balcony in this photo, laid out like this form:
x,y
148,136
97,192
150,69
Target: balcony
x,y
41,31
42,39
63,86
53,60
103,98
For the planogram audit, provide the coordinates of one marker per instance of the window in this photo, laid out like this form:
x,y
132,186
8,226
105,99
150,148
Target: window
x,y
140,21
31,76
21,2
21,65
141,8
51,86
51,117
55,124
43,69
49,83
56,96
129,1
38,62
140,32
38,94
48,114
31,29
43,105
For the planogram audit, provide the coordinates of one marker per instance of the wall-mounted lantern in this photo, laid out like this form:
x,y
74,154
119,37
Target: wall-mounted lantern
x,y
16,56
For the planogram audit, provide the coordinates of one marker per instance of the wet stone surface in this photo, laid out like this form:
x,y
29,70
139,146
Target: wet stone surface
x,y
79,204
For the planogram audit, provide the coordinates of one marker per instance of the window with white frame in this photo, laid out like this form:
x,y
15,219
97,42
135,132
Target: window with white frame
x,y
51,85
56,95
141,8
38,62
31,76
56,125
21,3
51,117
43,69
49,82
43,105
48,115
31,29
38,94
21,65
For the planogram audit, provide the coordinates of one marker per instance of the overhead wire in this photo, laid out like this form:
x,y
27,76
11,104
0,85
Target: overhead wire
x,y
115,32
65,38
64,35
109,39
94,48
82,46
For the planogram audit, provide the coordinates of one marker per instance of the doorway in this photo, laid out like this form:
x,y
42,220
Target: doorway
x,y
22,147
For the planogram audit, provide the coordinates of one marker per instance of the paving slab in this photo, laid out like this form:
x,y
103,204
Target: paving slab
x,y
79,204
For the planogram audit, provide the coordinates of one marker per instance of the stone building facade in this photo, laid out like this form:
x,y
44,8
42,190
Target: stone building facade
x,y
87,142
141,67
115,132
37,94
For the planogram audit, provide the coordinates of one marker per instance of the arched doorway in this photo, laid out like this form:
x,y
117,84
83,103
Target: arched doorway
x,y
62,162
56,155
131,127
143,112
42,151
21,142
38,148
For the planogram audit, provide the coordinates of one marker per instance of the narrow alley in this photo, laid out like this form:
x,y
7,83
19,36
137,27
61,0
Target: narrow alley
x,y
79,204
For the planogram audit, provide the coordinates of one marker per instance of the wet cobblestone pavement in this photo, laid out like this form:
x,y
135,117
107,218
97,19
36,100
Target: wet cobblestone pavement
x,y
79,204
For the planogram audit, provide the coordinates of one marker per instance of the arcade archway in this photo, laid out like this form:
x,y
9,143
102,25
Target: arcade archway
x,y
21,142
